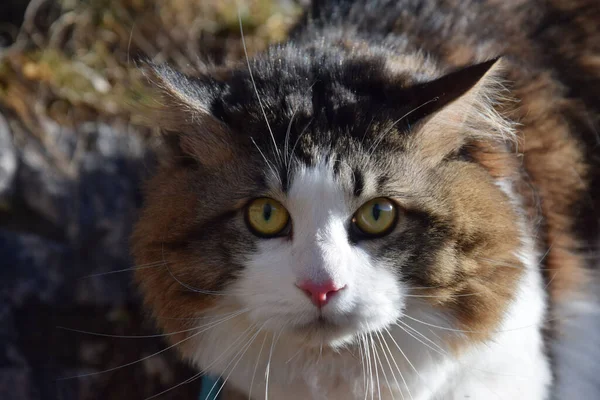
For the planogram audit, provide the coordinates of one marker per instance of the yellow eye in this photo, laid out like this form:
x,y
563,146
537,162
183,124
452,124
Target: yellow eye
x,y
267,217
376,217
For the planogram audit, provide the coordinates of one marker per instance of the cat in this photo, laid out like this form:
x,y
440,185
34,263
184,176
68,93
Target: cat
x,y
398,202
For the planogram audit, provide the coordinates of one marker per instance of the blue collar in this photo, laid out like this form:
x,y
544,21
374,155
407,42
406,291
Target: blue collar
x,y
209,383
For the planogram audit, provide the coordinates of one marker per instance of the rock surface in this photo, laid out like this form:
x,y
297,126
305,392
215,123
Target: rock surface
x,y
8,163
64,230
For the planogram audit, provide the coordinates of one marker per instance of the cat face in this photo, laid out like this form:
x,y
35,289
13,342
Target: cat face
x,y
320,279
350,196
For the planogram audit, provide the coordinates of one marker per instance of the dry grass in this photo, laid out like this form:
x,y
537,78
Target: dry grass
x,y
75,60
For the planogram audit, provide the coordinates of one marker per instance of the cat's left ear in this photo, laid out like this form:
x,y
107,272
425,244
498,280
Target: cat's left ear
x,y
461,107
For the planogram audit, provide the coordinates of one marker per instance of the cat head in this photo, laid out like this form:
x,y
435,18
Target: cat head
x,y
322,195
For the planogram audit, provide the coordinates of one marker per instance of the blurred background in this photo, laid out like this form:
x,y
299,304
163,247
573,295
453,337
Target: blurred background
x,y
73,153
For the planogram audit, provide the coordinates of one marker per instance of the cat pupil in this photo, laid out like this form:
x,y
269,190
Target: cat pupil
x,y
376,212
267,211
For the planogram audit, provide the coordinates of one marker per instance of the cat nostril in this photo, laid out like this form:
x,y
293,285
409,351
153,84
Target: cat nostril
x,y
320,293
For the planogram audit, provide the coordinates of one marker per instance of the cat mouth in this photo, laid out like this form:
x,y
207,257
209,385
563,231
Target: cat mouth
x,y
320,323
324,329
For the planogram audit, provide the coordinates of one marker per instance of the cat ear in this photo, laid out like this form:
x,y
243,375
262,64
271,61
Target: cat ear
x,y
461,107
182,113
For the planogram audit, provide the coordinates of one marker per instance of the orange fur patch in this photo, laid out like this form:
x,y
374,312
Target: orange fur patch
x,y
477,272
167,219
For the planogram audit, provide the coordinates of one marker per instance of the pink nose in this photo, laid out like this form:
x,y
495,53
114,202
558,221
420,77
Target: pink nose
x,y
320,293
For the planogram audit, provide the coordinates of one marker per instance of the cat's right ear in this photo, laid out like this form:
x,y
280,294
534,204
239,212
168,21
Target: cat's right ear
x,y
180,109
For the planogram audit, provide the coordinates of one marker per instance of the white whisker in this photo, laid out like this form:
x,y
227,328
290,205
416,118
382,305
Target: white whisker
x,y
437,326
398,368
256,367
385,354
405,326
367,131
188,287
296,144
362,361
370,366
472,331
151,355
383,135
268,367
138,336
407,360
243,351
144,266
381,364
375,359
271,167
196,376
287,138
254,83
